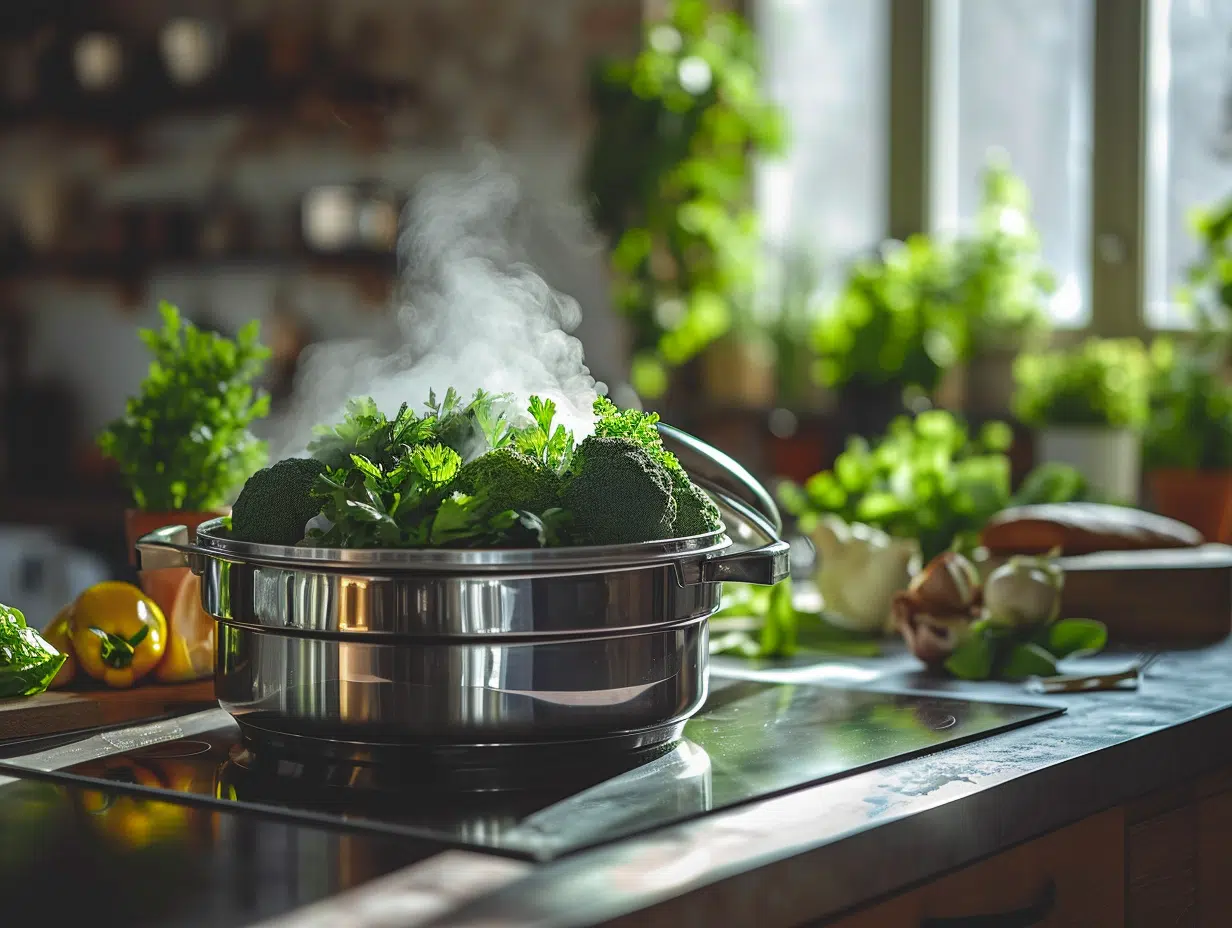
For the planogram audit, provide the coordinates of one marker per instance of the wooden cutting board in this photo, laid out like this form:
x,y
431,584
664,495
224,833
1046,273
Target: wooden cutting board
x,y
1177,596
70,710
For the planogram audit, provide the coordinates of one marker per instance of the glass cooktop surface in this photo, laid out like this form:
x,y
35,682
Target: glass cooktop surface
x,y
751,740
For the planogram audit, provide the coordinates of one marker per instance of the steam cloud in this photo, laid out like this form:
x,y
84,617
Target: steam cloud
x,y
472,315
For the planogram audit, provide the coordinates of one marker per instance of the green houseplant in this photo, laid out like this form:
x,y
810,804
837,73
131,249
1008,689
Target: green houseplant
x,y
1187,448
1088,406
1001,287
670,178
1187,445
891,330
184,445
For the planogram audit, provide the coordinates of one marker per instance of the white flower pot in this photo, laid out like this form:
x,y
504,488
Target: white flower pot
x,y
1110,459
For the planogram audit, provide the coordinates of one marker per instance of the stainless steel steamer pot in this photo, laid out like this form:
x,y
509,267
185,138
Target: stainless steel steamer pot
x,y
358,652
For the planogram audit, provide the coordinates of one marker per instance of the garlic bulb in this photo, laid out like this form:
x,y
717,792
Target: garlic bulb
x,y
1025,591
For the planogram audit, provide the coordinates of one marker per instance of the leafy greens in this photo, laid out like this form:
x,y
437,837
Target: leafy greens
x,y
471,473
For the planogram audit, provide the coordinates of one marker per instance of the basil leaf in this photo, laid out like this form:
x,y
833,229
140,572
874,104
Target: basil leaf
x,y
1028,660
1074,636
973,659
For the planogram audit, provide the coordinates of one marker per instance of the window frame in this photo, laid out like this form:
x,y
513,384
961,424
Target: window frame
x,y
923,116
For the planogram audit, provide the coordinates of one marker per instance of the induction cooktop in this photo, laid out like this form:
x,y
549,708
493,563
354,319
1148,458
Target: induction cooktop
x,y
751,740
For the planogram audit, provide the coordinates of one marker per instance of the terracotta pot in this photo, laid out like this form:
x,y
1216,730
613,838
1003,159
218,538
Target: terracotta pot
x,y
138,523
190,630
1199,498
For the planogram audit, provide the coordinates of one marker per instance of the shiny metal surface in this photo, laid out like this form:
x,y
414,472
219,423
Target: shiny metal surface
x,y
409,694
431,647
212,540
425,606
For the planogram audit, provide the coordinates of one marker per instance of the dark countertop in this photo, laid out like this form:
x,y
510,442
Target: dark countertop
x,y
782,861
826,849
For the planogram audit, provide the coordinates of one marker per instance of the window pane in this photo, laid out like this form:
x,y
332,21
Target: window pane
x,y
1190,132
1024,86
825,63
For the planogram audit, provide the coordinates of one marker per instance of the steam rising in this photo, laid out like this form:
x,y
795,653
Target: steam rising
x,y
472,315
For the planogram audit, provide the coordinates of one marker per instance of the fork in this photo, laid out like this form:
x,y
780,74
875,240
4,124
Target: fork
x,y
1089,683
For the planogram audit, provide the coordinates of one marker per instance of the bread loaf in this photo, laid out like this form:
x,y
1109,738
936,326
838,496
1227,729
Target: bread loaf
x,y
1083,528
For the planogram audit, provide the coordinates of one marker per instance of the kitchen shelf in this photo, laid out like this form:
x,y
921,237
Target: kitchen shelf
x,y
77,513
101,268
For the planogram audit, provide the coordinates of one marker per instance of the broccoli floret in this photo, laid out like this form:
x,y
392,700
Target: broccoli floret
x,y
276,503
696,513
510,480
618,494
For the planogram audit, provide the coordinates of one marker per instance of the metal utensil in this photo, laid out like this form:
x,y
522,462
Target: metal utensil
x,y
1089,683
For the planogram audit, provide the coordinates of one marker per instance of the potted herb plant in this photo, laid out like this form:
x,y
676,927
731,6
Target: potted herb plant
x,y
670,181
1187,446
1001,287
184,445
1089,405
889,331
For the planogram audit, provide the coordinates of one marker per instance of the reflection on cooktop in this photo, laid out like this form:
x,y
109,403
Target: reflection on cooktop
x,y
751,740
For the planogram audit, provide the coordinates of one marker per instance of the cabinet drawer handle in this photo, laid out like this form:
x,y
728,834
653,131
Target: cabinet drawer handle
x,y
1032,914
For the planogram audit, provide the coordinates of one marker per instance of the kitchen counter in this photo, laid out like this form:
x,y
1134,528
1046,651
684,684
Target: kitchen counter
x,y
795,859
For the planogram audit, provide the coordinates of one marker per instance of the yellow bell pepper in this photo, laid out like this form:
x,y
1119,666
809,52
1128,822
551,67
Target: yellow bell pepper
x,y
57,635
118,633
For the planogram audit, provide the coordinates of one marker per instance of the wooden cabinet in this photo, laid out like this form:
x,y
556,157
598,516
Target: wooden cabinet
x,y
1162,861
1074,877
1179,856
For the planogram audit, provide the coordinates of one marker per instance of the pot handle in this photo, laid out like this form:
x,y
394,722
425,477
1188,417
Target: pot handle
x,y
164,547
766,565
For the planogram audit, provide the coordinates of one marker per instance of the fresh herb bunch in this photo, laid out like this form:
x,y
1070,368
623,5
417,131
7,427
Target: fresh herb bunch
x,y
927,478
892,323
394,482
1000,283
670,181
1103,382
184,442
477,474
993,651
1190,425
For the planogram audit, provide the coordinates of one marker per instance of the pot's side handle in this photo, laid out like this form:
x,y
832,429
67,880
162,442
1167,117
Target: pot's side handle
x,y
164,547
766,565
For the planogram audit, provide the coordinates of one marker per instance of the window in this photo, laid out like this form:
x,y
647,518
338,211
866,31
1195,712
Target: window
x,y
1189,145
825,62
1023,85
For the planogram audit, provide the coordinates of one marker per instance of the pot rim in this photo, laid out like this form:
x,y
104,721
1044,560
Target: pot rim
x,y
212,539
